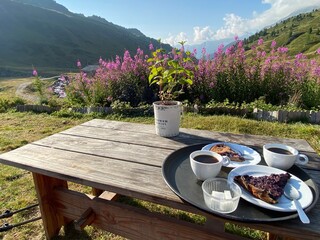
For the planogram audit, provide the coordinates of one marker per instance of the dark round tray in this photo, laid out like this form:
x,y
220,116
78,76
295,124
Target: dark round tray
x,y
178,175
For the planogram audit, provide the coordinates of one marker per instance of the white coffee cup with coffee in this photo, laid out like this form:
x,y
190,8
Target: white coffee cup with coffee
x,y
207,164
282,156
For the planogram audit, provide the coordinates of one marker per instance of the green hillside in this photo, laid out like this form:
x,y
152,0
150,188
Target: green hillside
x,y
301,34
52,41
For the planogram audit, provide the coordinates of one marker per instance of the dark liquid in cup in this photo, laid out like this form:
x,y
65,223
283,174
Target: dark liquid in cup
x,y
205,159
280,151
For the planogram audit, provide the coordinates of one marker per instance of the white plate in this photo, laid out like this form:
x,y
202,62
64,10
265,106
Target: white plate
x,y
251,156
284,204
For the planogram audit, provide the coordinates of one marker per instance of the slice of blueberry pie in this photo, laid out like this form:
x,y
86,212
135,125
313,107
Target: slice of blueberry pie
x,y
267,188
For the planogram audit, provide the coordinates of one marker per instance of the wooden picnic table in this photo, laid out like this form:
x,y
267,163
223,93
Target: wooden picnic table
x,y
120,158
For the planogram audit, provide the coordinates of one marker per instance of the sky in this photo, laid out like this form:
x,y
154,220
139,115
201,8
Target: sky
x,y
194,21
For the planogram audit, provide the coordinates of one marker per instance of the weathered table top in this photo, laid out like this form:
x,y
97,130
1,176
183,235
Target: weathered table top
x,y
126,158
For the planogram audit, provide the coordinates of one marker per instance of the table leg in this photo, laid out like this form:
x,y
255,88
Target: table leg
x,y
52,221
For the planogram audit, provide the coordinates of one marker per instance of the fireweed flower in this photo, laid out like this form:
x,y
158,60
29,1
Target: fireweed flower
x,y
35,73
229,50
151,48
273,44
240,44
316,71
195,51
260,41
318,51
203,51
300,56
282,49
78,64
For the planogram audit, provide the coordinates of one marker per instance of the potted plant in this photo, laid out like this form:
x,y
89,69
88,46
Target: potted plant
x,y
169,72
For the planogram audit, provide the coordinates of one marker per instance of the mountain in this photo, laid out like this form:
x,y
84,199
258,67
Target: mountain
x,y
210,46
299,33
46,4
44,34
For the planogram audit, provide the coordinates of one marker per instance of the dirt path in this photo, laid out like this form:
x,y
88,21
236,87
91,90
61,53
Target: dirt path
x,y
21,92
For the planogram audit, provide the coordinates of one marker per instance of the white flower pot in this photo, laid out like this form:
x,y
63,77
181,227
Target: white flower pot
x,y
167,118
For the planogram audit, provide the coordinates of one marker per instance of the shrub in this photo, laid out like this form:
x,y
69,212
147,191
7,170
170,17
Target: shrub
x,y
7,103
236,74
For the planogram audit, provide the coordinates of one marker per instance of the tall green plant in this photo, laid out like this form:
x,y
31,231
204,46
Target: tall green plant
x,y
39,87
170,73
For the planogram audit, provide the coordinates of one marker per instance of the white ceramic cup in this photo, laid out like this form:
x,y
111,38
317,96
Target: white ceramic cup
x,y
204,170
282,160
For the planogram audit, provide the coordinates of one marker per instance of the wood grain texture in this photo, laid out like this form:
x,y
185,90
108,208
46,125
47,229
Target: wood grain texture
x,y
126,158
132,222
52,220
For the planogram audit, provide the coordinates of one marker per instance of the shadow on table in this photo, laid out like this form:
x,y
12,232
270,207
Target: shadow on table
x,y
193,139
190,139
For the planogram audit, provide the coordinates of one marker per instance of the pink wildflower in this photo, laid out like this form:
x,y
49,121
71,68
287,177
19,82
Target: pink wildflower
x,y
203,51
300,56
260,41
229,50
35,73
318,51
151,47
194,52
282,49
273,44
78,64
316,72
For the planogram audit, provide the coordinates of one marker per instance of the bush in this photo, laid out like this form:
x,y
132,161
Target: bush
x,y
7,103
236,74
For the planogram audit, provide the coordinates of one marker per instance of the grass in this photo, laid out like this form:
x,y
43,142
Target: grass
x,y
8,86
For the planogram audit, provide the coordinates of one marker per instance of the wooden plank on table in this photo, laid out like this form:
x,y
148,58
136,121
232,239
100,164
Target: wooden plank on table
x,y
126,150
123,136
247,139
144,134
117,125
123,177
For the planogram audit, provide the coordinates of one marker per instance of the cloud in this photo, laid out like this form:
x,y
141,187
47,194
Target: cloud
x,y
279,9
174,40
202,34
235,25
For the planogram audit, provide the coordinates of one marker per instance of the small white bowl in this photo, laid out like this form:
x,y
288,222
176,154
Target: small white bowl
x,y
220,196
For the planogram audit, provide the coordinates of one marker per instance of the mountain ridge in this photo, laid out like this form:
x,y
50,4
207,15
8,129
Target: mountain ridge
x,y
49,39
